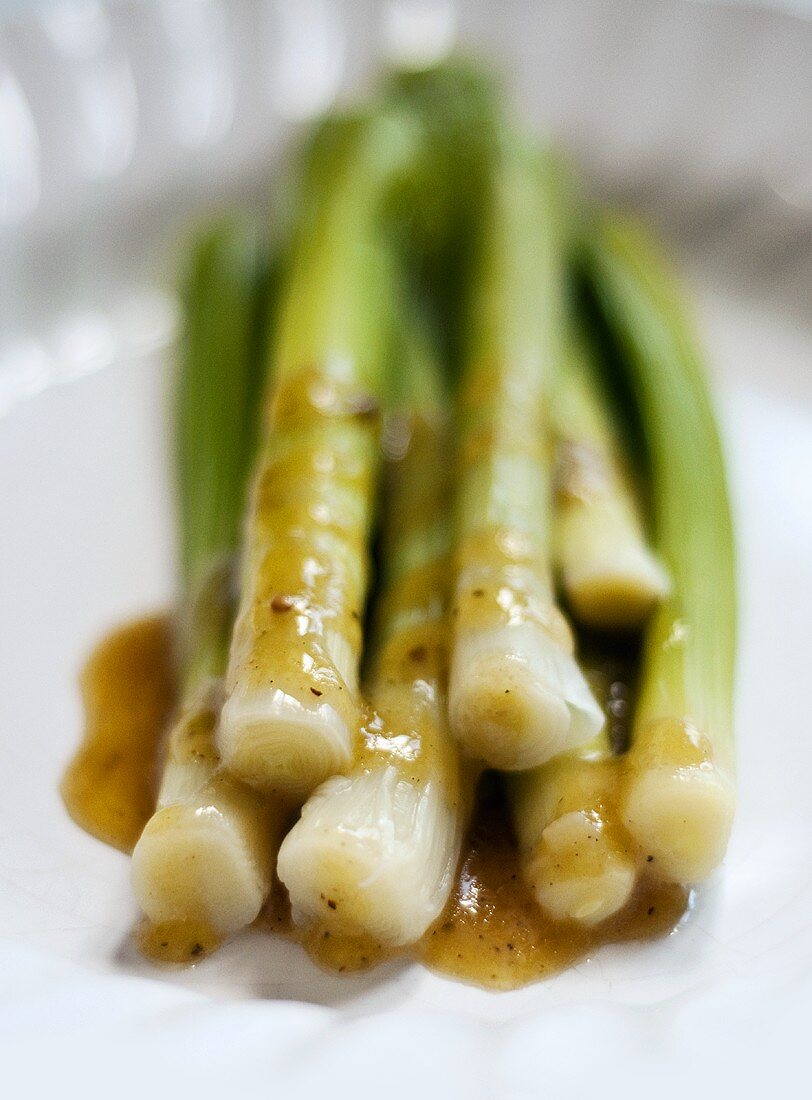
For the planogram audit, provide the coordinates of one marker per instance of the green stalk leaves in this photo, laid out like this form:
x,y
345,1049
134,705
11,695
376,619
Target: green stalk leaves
x,y
679,799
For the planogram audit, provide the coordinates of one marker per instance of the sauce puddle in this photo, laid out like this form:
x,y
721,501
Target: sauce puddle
x,y
491,932
128,691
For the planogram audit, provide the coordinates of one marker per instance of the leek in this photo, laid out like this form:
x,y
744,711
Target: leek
x,y
679,787
375,851
205,857
516,694
610,576
575,854
293,702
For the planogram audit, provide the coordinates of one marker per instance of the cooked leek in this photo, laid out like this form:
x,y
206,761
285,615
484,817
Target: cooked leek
x,y
517,696
610,576
576,856
205,857
679,793
375,851
293,703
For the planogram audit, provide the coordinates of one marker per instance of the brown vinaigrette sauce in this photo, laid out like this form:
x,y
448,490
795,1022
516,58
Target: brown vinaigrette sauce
x,y
491,932
178,943
128,691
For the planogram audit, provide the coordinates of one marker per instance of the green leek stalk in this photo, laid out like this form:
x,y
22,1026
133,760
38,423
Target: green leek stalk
x,y
516,694
375,851
679,788
611,578
293,704
459,107
204,859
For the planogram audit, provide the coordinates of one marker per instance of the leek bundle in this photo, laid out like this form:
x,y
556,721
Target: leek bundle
x,y
679,796
516,694
467,502
375,851
204,859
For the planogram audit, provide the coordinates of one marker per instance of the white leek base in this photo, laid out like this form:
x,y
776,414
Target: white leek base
x,y
273,742
682,817
373,853
577,873
193,864
517,699
613,586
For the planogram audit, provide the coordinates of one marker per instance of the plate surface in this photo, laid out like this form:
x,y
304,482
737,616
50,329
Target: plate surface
x,y
86,541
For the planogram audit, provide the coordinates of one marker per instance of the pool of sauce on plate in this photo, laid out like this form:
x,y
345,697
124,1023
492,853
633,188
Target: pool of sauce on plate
x,y
128,691
491,932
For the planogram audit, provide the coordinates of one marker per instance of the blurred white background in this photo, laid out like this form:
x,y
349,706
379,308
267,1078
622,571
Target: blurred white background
x,y
120,118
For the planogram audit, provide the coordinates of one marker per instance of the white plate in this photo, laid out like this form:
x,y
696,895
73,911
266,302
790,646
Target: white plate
x,y
724,1003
